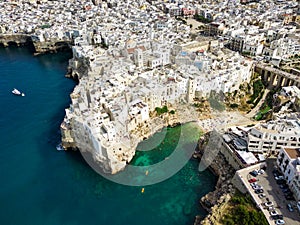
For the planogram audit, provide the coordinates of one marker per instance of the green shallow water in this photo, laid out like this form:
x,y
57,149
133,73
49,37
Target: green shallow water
x,y
40,185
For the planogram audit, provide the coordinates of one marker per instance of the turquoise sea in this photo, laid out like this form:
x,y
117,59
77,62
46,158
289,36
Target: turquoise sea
x,y
43,186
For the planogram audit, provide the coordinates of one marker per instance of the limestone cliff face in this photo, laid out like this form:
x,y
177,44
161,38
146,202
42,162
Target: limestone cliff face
x,y
110,157
216,201
18,39
79,131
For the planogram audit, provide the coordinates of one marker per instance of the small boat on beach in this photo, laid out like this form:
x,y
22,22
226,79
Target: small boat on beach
x,y
17,92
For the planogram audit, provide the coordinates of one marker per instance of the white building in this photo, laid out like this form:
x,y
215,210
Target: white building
x,y
271,136
284,48
288,161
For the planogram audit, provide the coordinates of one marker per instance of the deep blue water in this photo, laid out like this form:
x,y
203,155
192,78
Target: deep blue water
x,y
40,185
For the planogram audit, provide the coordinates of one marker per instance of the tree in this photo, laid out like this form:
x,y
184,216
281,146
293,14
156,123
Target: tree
x,y
162,110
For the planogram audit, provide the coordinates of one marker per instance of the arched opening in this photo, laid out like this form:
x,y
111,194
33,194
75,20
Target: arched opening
x,y
12,43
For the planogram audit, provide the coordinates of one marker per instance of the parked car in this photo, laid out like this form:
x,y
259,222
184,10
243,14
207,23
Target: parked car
x,y
283,186
273,213
279,177
252,180
279,222
253,184
268,204
290,208
254,173
276,173
287,190
280,181
288,194
261,171
257,187
277,217
262,195
259,191
289,197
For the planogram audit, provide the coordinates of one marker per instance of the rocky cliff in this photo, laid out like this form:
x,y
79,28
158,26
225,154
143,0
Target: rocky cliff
x,y
214,202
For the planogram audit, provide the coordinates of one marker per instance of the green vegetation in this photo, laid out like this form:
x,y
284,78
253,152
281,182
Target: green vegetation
x,y
258,91
246,53
258,87
202,19
103,45
233,106
255,76
45,26
198,105
172,112
267,105
261,113
243,211
162,110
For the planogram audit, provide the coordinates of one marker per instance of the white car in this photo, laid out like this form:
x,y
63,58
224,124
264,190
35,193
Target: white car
x,y
279,178
279,222
262,195
253,184
268,204
290,207
256,187
274,213
261,171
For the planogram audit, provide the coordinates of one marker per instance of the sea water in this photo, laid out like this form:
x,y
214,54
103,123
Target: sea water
x,y
40,185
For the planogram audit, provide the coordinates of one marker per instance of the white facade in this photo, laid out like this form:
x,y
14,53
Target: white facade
x,y
117,94
285,47
288,161
271,136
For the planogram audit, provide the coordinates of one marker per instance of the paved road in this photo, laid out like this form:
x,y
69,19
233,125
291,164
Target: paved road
x,y
274,193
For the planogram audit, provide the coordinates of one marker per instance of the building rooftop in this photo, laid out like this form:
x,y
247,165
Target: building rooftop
x,y
293,153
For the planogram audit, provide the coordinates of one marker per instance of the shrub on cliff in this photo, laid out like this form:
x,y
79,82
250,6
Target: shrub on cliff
x,y
162,110
243,211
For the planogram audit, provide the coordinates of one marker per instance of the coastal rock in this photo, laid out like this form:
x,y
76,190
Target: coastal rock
x,y
17,39
214,202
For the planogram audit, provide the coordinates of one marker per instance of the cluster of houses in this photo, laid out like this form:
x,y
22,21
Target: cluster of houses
x,y
132,57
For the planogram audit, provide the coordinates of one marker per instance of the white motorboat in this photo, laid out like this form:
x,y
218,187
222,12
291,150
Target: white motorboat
x,y
17,92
